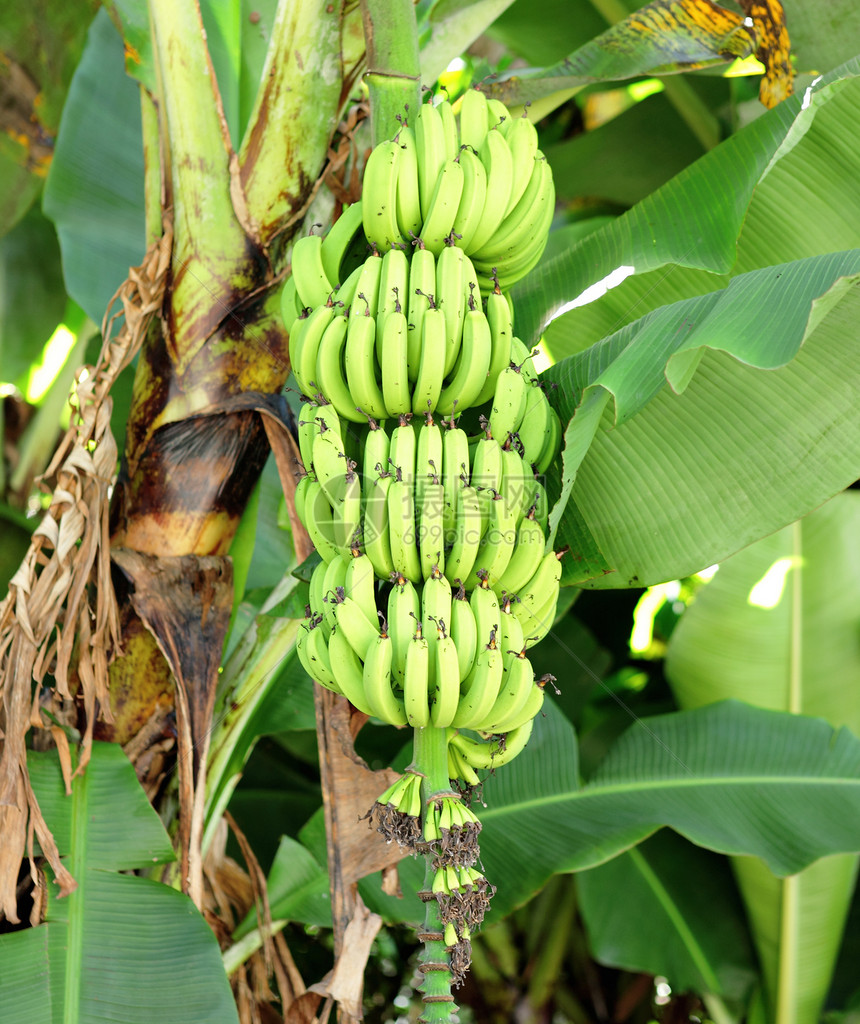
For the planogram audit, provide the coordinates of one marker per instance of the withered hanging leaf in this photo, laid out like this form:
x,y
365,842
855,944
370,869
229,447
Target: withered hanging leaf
x,y
660,38
774,49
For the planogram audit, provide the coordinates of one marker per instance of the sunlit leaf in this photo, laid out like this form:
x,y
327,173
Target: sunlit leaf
x,y
731,461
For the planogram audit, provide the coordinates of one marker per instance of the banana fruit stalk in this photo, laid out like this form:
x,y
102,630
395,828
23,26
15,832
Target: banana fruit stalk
x,y
435,579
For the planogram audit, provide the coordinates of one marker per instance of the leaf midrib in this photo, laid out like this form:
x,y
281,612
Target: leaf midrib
x,y
598,790
77,900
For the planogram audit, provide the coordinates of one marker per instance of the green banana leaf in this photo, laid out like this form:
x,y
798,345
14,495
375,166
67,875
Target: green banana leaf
x,y
726,450
729,777
661,37
94,191
778,625
768,194
120,946
671,890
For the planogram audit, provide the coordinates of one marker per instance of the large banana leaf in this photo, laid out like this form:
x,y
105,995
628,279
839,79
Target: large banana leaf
x,y
778,625
730,777
670,889
762,431
119,947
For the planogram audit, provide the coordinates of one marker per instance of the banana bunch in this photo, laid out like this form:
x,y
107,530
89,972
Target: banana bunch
x,y
476,180
401,335
429,656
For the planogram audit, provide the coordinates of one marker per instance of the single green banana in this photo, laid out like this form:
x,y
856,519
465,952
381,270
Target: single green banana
x,y
497,544
330,465
495,753
377,678
498,116
313,285
404,615
344,294
337,242
367,289
526,714
458,768
496,158
330,378
488,615
346,515
474,119
432,152
416,681
464,631
501,332
348,670
431,530
360,361
421,297
451,294
304,345
552,446
352,622
470,372
318,521
402,535
290,307
436,606
517,481
449,126
428,457
446,696
487,468
316,590
522,357
455,473
468,530
408,198
393,360
444,204
332,589
312,650
481,687
522,140
509,403
474,197
528,554
537,595
379,196
517,687
376,448
431,369
536,426
403,451
375,531
360,584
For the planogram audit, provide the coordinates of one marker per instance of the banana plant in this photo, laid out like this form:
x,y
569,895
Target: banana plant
x,y
235,138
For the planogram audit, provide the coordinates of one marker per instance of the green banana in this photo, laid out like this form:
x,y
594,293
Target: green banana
x,y
446,696
359,583
404,615
337,242
393,290
520,229
431,532
501,331
497,544
379,195
540,592
416,681
376,448
393,360
290,307
421,297
313,285
304,345
347,670
375,530
408,202
552,444
318,521
432,152
474,119
527,556
468,530
470,373
360,361
455,473
377,680
495,753
472,201
481,687
312,650
329,373
316,590
401,529
517,481
535,430
442,211
464,631
428,458
487,465
496,158
431,369
488,615
330,465
527,712
522,140
509,403
402,452
449,127
498,116
332,589
352,622
367,288
451,295
436,604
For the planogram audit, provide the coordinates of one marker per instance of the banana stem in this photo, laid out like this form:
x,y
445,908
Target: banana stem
x,y
430,757
393,68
